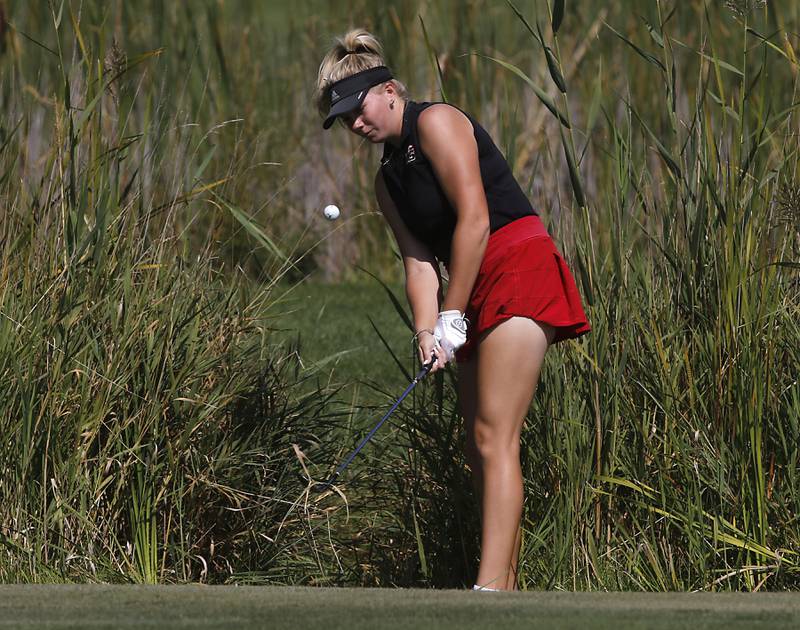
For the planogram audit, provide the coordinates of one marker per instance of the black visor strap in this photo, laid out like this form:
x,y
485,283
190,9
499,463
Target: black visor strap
x,y
348,93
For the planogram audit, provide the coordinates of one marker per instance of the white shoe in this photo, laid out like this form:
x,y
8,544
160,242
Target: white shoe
x,y
485,589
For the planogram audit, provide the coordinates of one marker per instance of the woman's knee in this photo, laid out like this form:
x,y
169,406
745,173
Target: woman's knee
x,y
494,441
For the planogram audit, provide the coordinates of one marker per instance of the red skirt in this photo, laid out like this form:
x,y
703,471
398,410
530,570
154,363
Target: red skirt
x,y
523,275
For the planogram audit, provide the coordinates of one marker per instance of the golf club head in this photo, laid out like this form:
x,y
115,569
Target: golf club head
x,y
319,486
322,486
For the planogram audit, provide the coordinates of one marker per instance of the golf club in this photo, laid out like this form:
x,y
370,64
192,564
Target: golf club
x,y
319,487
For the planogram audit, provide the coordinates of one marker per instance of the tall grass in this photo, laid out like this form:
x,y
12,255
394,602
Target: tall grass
x,y
147,419
161,187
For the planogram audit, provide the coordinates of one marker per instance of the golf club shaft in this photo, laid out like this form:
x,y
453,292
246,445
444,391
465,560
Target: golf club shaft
x,y
422,373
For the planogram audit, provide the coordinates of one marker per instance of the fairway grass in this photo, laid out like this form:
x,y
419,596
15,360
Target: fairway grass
x,y
330,326
245,607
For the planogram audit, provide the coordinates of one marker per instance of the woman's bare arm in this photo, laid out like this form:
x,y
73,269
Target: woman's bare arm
x,y
423,285
447,139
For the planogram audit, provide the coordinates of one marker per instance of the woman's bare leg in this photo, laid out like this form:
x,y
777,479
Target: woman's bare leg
x,y
509,361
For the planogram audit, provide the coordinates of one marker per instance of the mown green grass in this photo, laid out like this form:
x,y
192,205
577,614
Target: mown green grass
x,y
57,607
348,331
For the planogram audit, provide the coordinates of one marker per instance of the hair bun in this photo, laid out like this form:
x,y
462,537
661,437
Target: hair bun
x,y
356,51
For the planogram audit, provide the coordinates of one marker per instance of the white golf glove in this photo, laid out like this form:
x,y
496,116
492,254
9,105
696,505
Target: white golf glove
x,y
450,332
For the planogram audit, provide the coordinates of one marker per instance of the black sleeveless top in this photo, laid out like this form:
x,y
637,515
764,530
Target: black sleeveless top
x,y
419,197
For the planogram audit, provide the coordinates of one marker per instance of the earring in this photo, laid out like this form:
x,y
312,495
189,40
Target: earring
x,y
391,104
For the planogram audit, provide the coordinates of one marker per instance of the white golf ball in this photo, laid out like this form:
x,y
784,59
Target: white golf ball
x,y
331,212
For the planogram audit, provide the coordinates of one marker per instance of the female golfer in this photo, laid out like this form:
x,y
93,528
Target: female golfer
x,y
449,196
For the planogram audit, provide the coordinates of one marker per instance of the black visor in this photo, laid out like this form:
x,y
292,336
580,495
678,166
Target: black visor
x,y
350,92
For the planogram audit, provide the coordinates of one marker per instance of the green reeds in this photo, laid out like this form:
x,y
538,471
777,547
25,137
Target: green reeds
x,y
147,417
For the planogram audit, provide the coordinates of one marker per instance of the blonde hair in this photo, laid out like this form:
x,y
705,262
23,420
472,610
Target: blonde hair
x,y
356,51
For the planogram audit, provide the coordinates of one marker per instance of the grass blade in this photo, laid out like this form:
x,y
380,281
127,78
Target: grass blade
x,y
670,161
434,59
251,227
574,174
552,64
642,53
540,93
388,347
393,298
536,35
558,14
